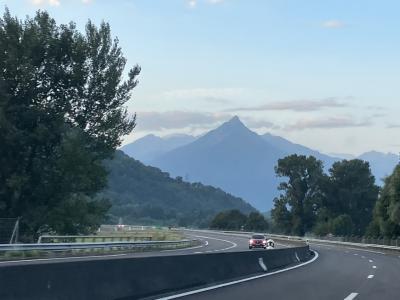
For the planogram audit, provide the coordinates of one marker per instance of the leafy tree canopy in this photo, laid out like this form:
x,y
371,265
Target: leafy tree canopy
x,y
295,210
62,112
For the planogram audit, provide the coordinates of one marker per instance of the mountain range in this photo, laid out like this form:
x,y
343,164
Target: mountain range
x,y
236,159
145,195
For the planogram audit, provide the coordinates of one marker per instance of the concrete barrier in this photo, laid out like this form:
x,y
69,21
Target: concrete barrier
x,y
135,278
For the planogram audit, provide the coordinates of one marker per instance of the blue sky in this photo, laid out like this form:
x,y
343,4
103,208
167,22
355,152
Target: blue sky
x,y
321,73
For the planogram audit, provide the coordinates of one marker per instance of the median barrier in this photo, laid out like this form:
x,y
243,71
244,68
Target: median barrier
x,y
135,278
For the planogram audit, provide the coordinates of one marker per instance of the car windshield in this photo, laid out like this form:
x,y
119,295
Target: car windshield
x,y
257,237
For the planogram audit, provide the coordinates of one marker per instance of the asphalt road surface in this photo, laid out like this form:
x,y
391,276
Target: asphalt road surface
x,y
338,273
210,242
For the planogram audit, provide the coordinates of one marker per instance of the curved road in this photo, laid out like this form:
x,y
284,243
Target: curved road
x,y
338,273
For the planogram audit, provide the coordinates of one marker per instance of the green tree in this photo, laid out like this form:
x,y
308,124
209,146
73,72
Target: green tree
x,y
386,219
350,197
229,220
256,222
296,208
61,114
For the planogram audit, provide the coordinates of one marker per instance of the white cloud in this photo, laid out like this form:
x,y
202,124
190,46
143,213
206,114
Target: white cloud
x,y
327,123
54,2
46,2
333,24
209,94
192,3
295,105
157,121
215,1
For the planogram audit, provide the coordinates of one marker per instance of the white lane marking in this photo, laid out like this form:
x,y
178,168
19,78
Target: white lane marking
x,y
351,296
355,254
371,261
206,244
351,248
373,267
238,281
233,245
370,276
61,258
262,265
297,257
182,249
362,256
365,250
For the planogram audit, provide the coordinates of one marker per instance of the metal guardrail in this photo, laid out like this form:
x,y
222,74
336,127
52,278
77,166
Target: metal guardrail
x,y
91,238
325,241
97,245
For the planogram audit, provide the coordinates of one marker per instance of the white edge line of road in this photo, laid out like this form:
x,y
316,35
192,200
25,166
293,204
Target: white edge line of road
x,y
351,296
233,245
214,287
351,248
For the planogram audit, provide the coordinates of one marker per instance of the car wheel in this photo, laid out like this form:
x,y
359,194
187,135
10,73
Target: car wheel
x,y
250,247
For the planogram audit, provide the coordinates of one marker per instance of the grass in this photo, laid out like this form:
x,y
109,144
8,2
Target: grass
x,y
156,234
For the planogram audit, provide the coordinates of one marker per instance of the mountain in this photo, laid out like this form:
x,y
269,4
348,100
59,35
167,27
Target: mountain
x,y
291,148
231,157
242,162
150,146
382,164
145,195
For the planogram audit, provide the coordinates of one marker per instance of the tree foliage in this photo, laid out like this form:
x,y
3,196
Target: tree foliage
x,y
340,203
386,221
296,208
351,194
61,113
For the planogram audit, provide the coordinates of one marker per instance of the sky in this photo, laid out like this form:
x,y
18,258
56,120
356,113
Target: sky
x,y
325,74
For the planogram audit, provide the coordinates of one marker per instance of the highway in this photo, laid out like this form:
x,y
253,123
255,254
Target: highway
x,y
211,242
338,273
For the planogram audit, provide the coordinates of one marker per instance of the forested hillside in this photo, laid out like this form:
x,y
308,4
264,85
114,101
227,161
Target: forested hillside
x,y
144,195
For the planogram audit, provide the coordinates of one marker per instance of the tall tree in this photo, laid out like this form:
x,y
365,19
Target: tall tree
x,y
386,221
62,112
351,196
296,208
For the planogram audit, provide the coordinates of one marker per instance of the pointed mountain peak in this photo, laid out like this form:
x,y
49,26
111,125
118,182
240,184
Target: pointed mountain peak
x,y
233,126
235,120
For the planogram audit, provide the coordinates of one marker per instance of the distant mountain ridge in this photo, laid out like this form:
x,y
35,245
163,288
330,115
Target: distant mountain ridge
x,y
145,195
150,146
242,162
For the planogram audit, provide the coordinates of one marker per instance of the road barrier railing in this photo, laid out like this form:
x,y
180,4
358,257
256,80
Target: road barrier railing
x,y
139,277
296,239
120,245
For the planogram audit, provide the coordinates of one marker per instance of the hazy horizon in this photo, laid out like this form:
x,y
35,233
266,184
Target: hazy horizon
x,y
303,71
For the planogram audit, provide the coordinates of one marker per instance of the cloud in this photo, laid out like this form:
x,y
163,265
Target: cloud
x,y
333,24
295,105
46,2
177,119
54,2
393,126
208,94
256,123
327,123
192,3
